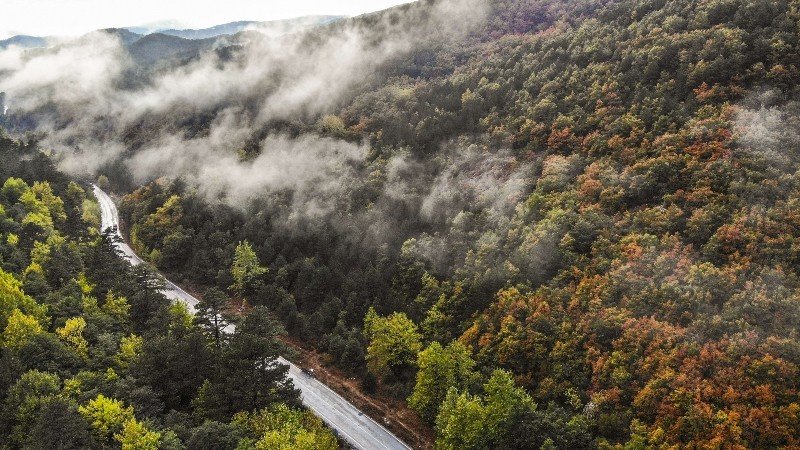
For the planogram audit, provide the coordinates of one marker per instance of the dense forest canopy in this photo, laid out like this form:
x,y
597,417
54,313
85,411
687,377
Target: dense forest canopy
x,y
93,356
559,224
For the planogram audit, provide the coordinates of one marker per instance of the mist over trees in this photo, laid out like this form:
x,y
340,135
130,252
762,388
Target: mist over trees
x,y
93,356
547,224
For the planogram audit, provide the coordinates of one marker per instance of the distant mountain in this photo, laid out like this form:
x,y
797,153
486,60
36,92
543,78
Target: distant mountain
x,y
270,27
159,47
155,27
218,30
24,41
126,36
176,43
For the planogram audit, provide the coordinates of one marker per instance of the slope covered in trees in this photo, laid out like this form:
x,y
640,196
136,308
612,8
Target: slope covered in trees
x,y
576,228
93,356
570,224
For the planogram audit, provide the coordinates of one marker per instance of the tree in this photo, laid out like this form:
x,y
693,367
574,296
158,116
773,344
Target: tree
x,y
175,365
47,353
13,188
54,204
551,427
282,428
106,416
439,370
12,298
149,237
461,423
20,329
72,334
130,348
116,307
34,281
475,422
345,345
394,343
136,436
213,435
253,378
59,425
209,313
245,269
24,401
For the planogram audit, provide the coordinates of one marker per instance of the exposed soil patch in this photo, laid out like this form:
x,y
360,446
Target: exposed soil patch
x,y
392,413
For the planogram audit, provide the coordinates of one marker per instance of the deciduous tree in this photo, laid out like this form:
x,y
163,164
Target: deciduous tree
x,y
245,269
394,342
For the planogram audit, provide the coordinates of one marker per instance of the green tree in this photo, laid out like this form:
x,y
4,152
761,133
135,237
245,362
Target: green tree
x,y
130,347
54,204
117,307
213,435
37,214
35,281
136,436
440,368
461,423
19,330
175,364
59,425
252,377
72,334
44,351
282,428
209,313
149,234
245,269
394,342
24,401
12,298
106,416
13,188
475,422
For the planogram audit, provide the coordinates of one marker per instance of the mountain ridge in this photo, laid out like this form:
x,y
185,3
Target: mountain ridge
x,y
232,28
24,41
130,35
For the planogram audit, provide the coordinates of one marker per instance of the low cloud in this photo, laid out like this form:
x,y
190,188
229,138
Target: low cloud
x,y
770,130
95,106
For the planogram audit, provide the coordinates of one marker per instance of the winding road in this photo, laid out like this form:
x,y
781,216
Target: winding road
x,y
352,425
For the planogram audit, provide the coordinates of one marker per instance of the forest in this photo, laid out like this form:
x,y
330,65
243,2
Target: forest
x,y
574,227
93,356
609,250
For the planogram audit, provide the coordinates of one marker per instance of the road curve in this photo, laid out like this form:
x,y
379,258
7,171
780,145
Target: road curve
x,y
353,426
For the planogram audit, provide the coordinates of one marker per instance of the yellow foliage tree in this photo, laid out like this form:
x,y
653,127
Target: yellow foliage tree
x,y
72,334
136,436
106,416
20,328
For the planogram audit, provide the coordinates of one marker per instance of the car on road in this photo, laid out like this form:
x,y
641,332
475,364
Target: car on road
x,y
308,372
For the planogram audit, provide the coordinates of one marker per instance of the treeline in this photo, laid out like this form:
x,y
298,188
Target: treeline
x,y
643,292
93,356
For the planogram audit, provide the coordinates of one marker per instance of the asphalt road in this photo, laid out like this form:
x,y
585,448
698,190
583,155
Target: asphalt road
x,y
353,426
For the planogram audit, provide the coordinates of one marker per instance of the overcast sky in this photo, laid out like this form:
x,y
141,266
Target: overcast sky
x,y
72,17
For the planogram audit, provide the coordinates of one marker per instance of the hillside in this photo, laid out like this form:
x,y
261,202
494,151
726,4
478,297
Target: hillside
x,y
584,203
543,223
166,49
93,356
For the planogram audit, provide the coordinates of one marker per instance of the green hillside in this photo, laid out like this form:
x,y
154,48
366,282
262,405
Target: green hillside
x,y
542,224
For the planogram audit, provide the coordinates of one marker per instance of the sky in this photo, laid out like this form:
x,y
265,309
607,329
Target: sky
x,y
75,17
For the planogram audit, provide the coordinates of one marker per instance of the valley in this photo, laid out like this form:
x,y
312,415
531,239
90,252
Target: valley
x,y
359,431
495,224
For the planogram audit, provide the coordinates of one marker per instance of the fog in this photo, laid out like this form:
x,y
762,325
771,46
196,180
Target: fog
x,y
93,106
